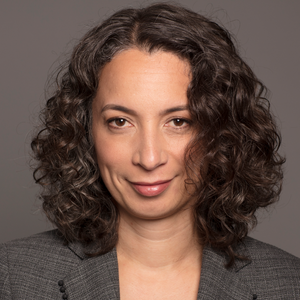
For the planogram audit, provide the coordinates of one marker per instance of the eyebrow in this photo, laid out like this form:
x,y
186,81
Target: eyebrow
x,y
133,112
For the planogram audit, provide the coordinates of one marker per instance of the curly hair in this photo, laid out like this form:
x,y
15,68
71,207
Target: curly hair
x,y
234,154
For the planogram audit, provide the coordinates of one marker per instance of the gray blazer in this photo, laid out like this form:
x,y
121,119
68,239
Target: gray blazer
x,y
41,267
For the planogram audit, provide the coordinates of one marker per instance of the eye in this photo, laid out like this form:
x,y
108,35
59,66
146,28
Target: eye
x,y
118,122
178,122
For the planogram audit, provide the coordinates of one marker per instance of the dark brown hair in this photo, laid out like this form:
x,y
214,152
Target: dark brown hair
x,y
234,151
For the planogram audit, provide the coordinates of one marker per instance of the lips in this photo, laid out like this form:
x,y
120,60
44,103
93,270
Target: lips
x,y
151,189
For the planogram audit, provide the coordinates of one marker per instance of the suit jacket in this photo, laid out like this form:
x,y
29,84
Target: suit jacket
x,y
42,267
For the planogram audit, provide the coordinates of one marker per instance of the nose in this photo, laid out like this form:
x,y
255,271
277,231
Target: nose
x,y
150,151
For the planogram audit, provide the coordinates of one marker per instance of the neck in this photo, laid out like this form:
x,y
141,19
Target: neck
x,y
165,243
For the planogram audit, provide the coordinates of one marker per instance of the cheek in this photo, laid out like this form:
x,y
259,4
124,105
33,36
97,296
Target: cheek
x,y
111,156
177,149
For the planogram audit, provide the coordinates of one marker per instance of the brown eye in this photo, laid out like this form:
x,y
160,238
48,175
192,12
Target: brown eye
x,y
178,122
120,122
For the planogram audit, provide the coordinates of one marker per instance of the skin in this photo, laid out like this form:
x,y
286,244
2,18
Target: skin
x,y
144,141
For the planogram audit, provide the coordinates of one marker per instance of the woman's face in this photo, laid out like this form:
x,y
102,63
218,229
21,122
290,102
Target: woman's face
x,y
141,127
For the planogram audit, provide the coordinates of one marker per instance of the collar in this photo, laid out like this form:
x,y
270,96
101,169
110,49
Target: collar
x,y
217,282
98,277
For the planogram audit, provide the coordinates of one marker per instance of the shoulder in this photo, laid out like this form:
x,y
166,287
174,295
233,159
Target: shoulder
x,y
46,237
40,249
43,267
31,261
46,245
271,269
263,254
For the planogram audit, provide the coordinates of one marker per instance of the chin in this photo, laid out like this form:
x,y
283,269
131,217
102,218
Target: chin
x,y
154,209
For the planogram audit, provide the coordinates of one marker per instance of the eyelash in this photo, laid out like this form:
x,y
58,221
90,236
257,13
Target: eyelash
x,y
188,122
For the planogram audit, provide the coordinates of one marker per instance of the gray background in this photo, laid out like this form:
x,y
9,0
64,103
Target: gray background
x,y
36,35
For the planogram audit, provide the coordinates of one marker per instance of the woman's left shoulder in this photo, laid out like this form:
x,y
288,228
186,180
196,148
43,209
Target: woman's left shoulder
x,y
262,253
271,270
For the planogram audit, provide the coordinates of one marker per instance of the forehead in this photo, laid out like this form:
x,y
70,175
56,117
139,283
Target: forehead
x,y
135,74
158,60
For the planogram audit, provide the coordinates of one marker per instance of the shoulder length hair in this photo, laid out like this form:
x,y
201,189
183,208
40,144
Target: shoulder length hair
x,y
234,154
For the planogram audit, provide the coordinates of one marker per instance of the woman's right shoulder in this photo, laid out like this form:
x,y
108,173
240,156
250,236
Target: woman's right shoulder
x,y
41,247
34,261
44,241
48,245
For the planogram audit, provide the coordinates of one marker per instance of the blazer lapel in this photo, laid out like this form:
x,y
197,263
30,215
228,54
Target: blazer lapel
x,y
217,282
94,278
98,277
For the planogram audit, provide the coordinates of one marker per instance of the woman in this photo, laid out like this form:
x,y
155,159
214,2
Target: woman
x,y
157,148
